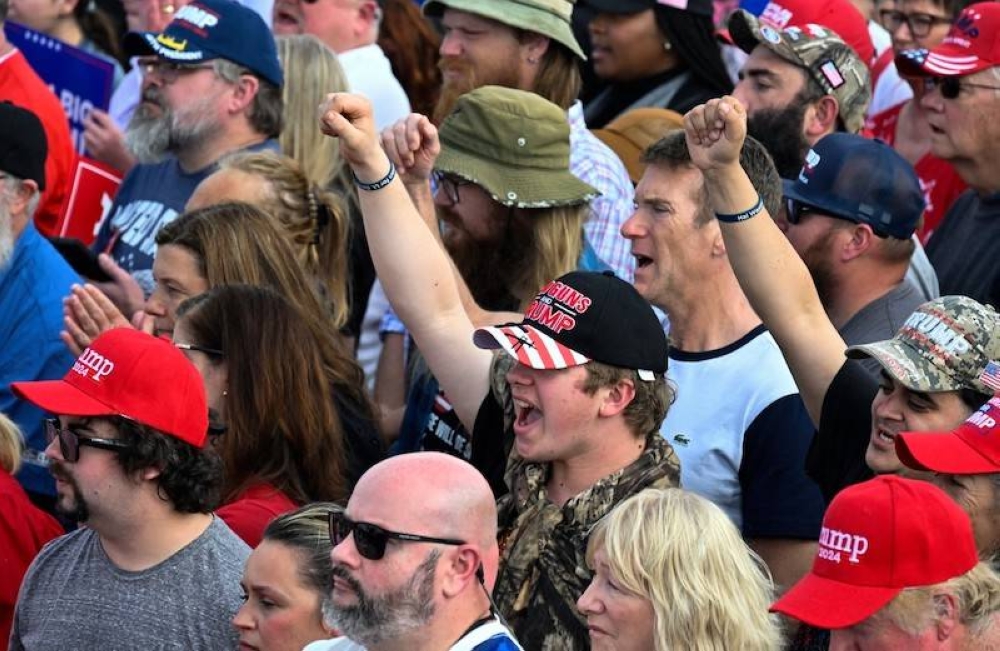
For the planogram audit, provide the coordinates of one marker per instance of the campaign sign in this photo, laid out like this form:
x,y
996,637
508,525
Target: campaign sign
x,y
80,80
94,186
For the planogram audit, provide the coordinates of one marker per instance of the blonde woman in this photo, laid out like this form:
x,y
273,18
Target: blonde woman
x,y
23,527
672,572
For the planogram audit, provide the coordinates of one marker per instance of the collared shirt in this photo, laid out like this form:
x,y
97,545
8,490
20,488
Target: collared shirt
x,y
369,72
543,545
595,163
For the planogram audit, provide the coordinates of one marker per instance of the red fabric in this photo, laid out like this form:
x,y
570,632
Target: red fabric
x,y
21,86
249,514
24,529
938,179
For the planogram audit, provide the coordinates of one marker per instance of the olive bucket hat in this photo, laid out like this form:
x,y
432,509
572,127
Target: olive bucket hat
x,y
515,145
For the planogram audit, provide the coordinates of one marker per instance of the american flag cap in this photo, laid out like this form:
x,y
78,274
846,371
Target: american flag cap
x,y
972,44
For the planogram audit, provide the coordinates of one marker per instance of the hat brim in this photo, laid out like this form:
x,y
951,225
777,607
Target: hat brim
x,y
793,190
60,397
529,346
617,6
828,604
535,188
946,60
535,20
942,452
905,364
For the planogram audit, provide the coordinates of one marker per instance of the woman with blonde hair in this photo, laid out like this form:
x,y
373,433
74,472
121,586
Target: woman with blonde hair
x,y
672,572
314,218
24,528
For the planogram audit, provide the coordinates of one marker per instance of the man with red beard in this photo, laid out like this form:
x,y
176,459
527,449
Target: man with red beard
x,y
529,45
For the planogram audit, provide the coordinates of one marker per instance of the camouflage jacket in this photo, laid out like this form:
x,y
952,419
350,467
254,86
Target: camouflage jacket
x,y
543,546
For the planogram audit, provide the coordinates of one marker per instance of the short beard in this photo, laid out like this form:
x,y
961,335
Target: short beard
x,y
6,233
78,511
389,616
150,137
491,269
817,261
780,131
452,89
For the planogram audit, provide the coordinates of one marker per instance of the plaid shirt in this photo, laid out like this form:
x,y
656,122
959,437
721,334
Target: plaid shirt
x,y
593,162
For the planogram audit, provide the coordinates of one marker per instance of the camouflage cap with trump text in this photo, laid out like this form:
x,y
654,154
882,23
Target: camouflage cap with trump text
x,y
945,345
825,57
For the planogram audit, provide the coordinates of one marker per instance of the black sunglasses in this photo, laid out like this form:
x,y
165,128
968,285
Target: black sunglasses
x,y
70,441
212,352
370,539
951,87
796,209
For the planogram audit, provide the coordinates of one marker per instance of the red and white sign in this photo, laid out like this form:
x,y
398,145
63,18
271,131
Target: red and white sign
x,y
94,187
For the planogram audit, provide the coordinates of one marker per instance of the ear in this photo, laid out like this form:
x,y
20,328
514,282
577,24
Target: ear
x,y
533,46
466,564
862,239
369,12
618,398
946,616
821,118
150,473
67,7
243,93
17,203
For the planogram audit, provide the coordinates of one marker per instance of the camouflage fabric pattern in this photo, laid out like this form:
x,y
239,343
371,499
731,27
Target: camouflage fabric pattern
x,y
543,546
831,62
943,346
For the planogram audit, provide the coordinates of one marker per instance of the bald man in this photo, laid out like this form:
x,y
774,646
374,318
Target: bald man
x,y
413,554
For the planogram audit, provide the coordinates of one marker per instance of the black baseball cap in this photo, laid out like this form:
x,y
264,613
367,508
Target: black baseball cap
x,y
23,144
702,7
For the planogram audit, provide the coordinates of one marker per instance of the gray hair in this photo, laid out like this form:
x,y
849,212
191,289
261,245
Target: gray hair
x,y
267,108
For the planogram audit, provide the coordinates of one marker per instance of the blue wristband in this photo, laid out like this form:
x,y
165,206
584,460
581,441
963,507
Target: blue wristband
x,y
742,216
377,185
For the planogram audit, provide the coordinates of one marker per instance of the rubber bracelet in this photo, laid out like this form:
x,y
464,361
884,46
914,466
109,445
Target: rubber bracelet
x,y
377,185
742,216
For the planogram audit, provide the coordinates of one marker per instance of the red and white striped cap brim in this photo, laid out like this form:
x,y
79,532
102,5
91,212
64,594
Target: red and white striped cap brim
x,y
946,65
529,346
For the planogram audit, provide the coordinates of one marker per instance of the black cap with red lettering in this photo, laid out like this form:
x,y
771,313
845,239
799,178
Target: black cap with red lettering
x,y
581,317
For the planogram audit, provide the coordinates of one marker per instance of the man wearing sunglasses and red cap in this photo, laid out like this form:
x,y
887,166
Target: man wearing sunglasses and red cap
x,y
127,448
962,101
415,555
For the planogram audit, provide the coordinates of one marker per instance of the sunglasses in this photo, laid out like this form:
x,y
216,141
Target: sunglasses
x,y
70,441
370,540
951,87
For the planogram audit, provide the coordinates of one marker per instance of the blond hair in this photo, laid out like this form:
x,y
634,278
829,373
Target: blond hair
x,y
311,71
977,593
557,236
11,442
708,590
315,220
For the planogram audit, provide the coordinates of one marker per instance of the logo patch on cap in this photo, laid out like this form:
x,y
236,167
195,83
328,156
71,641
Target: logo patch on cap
x,y
172,43
776,15
198,18
938,332
810,163
93,365
770,34
832,74
557,307
991,376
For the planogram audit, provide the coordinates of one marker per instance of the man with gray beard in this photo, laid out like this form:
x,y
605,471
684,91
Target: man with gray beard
x,y
33,280
211,86
426,588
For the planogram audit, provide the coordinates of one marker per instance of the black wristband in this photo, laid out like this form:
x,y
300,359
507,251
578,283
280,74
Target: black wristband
x,y
755,210
377,185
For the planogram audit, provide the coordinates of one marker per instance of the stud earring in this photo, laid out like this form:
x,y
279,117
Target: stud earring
x,y
667,46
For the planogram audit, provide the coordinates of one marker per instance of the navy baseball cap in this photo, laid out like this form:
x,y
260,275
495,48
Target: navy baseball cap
x,y
213,29
860,180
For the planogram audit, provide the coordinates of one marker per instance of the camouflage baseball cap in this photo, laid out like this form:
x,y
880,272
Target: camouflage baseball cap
x,y
546,17
831,62
515,145
945,345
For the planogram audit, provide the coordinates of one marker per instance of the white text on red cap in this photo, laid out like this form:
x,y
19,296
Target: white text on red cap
x,y
832,543
93,364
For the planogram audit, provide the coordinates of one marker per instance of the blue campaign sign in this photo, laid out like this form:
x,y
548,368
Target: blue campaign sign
x,y
80,80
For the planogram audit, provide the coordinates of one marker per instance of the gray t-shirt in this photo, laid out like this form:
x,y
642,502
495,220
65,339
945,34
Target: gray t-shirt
x,y
881,319
74,597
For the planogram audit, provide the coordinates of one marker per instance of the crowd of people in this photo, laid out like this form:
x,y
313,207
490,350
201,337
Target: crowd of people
x,y
506,324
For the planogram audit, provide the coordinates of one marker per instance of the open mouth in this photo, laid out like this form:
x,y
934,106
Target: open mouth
x,y
285,18
641,260
525,413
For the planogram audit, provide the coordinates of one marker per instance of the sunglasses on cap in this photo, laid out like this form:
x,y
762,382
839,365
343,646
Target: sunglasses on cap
x,y
70,440
370,540
951,87
796,209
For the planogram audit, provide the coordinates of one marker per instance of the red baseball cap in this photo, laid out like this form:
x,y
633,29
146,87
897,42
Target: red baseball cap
x,y
841,16
130,374
879,537
972,44
972,448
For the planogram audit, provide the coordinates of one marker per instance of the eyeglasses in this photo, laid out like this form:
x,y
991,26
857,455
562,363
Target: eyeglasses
x,y
70,441
449,184
920,24
169,71
201,349
371,539
951,87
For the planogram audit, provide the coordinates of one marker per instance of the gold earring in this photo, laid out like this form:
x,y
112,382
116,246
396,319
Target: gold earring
x,y
168,9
